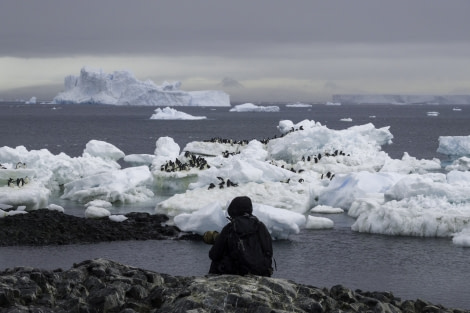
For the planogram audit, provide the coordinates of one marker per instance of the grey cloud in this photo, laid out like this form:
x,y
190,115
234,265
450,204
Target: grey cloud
x,y
57,27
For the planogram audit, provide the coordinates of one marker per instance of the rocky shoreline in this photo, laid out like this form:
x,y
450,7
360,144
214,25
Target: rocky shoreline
x,y
46,227
102,285
106,286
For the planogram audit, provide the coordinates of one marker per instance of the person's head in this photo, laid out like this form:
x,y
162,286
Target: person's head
x,y
240,206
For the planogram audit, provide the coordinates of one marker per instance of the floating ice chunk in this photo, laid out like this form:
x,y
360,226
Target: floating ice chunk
x,y
428,184
172,114
298,105
346,119
96,212
425,216
408,165
454,145
239,170
250,107
344,189
279,222
139,159
166,147
325,209
273,194
210,217
462,238
127,185
33,196
103,150
315,222
461,164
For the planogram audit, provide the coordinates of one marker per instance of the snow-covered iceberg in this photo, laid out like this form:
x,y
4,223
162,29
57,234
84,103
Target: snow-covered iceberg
x,y
122,88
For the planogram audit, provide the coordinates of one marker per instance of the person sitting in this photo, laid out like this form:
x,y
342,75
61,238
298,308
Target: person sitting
x,y
244,246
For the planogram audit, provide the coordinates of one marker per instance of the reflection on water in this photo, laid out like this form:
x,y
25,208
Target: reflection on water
x,y
427,268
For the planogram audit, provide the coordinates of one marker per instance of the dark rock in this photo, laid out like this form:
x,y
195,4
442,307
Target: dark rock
x,y
105,286
45,227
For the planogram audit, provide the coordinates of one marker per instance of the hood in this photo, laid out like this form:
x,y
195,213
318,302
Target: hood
x,y
240,206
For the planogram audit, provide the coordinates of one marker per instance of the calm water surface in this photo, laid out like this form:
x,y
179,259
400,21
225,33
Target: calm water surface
x,y
428,268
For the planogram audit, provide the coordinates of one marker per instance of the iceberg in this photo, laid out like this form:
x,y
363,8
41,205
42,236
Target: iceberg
x,y
168,113
454,145
250,107
122,88
401,99
294,180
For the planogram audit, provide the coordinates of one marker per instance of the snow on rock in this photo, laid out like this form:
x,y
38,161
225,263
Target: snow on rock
x,y
117,218
96,212
55,207
122,88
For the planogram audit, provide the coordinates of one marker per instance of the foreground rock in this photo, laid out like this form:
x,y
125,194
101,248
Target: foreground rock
x,y
45,227
105,286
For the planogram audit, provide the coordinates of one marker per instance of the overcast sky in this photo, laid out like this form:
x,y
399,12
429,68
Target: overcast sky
x,y
299,50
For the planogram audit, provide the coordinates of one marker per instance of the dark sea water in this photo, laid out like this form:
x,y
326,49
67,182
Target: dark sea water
x,y
432,269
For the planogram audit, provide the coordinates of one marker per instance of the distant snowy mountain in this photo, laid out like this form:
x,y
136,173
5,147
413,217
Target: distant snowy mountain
x,y
122,88
228,82
401,99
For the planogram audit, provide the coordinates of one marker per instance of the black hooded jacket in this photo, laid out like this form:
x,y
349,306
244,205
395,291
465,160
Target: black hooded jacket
x,y
224,257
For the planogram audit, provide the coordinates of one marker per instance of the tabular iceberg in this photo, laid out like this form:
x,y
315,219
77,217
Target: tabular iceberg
x,y
122,88
401,99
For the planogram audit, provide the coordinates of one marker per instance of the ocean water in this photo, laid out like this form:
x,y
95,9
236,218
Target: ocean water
x,y
432,269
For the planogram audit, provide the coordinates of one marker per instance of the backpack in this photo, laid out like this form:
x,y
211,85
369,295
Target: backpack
x,y
250,251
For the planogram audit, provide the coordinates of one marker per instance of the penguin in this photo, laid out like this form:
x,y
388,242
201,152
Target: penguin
x,y
231,184
10,182
301,180
211,186
20,182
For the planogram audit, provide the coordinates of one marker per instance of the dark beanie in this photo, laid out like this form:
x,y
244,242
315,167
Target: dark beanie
x,y
240,206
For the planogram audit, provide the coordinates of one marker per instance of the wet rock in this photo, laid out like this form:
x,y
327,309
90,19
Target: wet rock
x,y
45,227
106,286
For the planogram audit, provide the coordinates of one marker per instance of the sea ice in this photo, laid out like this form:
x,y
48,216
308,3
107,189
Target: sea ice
x,y
308,169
